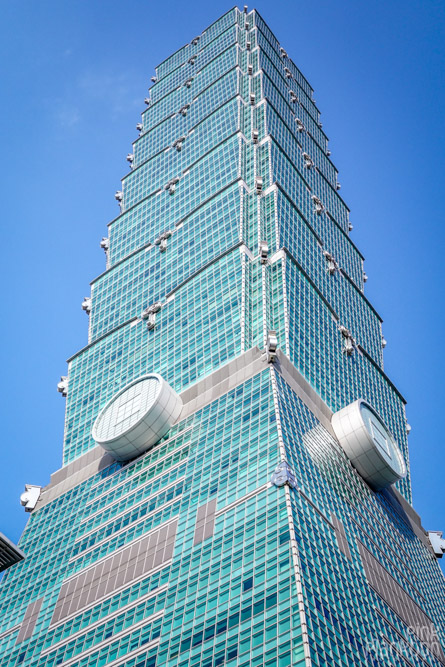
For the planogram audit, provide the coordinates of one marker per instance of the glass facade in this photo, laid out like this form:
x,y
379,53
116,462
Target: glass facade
x,y
245,536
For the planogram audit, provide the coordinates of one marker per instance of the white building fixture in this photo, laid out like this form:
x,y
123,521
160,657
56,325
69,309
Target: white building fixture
x,y
171,185
308,163
255,136
162,239
183,110
437,542
250,69
178,143
252,98
300,125
130,159
153,79
147,101
368,444
188,83
105,244
332,264
149,315
271,346
194,41
264,252
283,52
30,497
258,185
139,127
349,341
283,474
86,305
319,208
248,46
62,386
137,417
119,195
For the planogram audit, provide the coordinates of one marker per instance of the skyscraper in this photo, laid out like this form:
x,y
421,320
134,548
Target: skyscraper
x,y
235,484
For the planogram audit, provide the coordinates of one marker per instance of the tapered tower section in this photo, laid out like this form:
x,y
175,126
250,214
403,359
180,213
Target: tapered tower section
x,y
235,483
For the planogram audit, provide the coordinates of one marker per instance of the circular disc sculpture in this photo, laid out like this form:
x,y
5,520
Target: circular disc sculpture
x,y
137,417
368,444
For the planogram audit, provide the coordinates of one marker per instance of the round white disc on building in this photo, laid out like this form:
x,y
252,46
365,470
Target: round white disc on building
x,y
137,417
368,444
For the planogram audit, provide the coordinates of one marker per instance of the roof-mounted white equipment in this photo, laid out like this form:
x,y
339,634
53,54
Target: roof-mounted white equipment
x,y
307,161
300,125
264,252
271,346
319,208
171,185
86,305
349,342
30,497
437,542
161,241
332,264
149,314
62,386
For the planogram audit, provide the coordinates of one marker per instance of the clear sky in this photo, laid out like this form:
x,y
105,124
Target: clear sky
x,y
74,77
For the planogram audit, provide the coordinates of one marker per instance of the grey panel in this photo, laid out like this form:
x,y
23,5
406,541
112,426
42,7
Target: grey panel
x,y
118,570
399,600
340,534
205,521
29,620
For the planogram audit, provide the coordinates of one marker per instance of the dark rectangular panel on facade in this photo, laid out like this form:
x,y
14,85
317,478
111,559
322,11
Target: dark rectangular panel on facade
x,y
29,620
401,603
106,576
205,521
10,554
340,534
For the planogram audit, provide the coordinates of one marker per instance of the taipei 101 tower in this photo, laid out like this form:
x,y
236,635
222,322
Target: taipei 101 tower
x,y
235,485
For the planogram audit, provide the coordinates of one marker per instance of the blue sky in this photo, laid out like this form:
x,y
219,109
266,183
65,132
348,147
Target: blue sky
x,y
74,78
